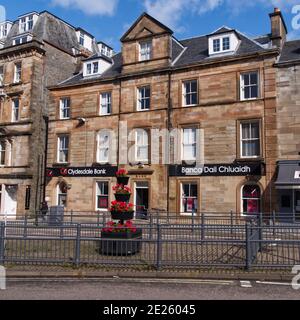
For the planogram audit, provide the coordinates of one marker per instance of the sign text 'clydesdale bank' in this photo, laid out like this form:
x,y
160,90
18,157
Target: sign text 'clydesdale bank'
x,y
246,169
104,171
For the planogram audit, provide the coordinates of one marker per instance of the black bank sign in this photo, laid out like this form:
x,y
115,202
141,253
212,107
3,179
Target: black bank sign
x,y
104,171
245,169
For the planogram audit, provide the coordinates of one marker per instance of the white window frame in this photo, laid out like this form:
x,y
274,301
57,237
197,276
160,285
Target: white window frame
x,y
182,212
190,144
243,214
18,72
145,50
3,150
143,144
1,75
142,98
26,23
190,93
217,40
81,38
250,122
65,147
103,147
15,117
98,194
105,102
64,106
243,86
58,193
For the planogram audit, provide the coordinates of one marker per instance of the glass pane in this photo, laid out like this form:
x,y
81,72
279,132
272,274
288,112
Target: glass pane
x,y
102,202
254,92
246,79
194,86
253,78
245,131
254,130
194,98
194,189
247,93
186,189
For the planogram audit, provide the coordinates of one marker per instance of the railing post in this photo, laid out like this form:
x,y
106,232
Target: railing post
x,y
77,245
274,222
202,226
260,231
151,226
2,242
25,228
193,221
103,220
159,248
248,246
72,216
231,221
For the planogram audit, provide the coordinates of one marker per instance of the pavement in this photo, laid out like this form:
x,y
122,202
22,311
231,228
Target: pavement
x,y
145,289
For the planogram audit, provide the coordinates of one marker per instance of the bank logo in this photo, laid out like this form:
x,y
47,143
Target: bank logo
x,y
296,279
296,19
2,278
63,171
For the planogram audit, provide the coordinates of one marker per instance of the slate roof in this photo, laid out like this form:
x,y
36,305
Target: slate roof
x,y
51,29
263,39
184,53
290,52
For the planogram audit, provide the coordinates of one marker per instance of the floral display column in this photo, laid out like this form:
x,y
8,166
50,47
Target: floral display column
x,y
118,237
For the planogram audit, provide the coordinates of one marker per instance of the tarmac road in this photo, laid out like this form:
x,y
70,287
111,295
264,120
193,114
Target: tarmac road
x,y
145,289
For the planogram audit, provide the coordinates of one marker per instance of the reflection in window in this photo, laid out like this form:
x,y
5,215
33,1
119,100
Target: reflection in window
x,y
251,199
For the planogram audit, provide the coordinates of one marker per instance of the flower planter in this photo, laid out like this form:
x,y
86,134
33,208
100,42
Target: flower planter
x,y
115,215
122,197
123,180
120,243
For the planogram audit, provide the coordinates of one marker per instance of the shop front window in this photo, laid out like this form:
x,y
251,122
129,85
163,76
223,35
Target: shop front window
x,y
62,192
251,199
189,197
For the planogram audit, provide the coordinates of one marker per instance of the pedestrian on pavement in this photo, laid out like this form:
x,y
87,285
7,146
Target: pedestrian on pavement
x,y
44,209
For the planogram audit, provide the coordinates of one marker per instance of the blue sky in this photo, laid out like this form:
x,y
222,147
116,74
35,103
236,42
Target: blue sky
x,y
107,20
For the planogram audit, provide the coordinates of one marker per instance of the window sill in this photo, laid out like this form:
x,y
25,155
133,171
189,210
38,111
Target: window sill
x,y
99,164
60,164
250,159
250,99
16,83
190,105
142,110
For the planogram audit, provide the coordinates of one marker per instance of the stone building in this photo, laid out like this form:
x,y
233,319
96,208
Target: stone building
x,y
288,126
212,99
36,51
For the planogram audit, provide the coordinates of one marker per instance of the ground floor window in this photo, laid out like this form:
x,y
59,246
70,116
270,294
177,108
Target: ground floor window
x,y
102,195
251,199
62,192
189,197
27,197
8,199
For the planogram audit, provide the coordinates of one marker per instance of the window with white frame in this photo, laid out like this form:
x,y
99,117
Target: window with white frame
x,y
18,72
64,107
63,149
26,23
145,50
251,199
102,195
221,44
141,145
250,139
217,45
2,153
143,102
62,194
15,110
103,150
189,144
1,75
249,85
189,198
105,103
92,68
21,40
226,43
81,39
190,93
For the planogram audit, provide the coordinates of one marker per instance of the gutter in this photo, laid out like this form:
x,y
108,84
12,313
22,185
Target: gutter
x,y
287,63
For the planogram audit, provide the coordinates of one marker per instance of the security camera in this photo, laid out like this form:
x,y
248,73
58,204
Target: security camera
x,y
81,120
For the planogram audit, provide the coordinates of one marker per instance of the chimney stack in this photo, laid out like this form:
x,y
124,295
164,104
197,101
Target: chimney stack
x,y
278,28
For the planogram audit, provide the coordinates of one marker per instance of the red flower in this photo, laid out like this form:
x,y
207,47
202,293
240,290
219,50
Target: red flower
x,y
121,173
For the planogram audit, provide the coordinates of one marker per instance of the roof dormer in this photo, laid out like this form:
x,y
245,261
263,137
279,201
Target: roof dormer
x,y
96,65
224,41
85,39
105,49
27,22
5,27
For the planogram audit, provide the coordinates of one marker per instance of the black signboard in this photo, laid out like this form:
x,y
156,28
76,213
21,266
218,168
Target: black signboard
x,y
101,171
242,169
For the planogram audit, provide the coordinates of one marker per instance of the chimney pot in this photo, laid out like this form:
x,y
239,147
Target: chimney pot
x,y
276,10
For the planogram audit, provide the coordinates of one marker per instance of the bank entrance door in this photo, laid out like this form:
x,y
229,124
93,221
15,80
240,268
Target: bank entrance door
x,y
141,198
10,200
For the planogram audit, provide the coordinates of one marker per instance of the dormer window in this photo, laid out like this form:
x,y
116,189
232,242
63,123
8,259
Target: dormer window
x,y
23,39
81,39
145,50
26,23
223,43
95,67
4,29
92,68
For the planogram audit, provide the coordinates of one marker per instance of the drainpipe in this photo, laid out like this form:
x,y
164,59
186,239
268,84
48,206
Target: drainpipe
x,y
169,126
46,119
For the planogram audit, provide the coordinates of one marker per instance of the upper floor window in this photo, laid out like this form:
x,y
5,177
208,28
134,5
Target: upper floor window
x,y
217,45
145,50
105,103
18,72
92,68
65,108
26,23
223,43
2,152
249,85
1,75
189,143
4,29
81,39
103,147
190,93
63,149
20,40
141,145
143,102
15,110
226,43
250,139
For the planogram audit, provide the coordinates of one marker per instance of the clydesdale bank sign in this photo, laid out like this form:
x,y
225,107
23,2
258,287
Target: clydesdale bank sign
x,y
245,169
103,171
